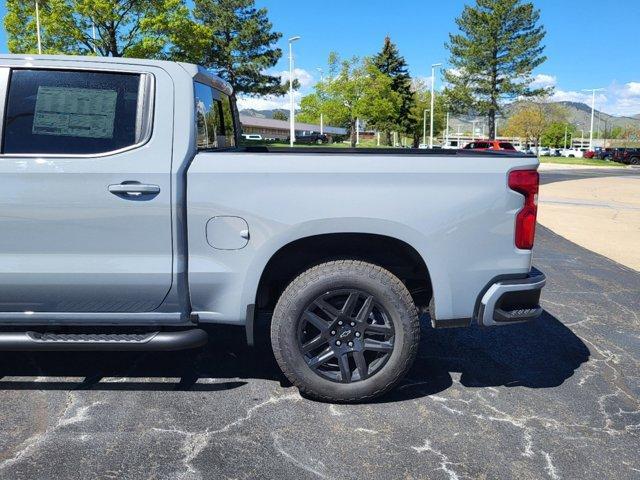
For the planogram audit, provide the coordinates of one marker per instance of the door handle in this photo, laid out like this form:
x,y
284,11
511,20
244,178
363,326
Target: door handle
x,y
134,189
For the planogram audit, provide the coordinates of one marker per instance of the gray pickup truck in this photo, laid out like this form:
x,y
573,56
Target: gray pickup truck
x,y
131,218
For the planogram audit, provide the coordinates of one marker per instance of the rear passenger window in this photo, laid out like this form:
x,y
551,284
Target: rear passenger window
x,y
214,118
72,112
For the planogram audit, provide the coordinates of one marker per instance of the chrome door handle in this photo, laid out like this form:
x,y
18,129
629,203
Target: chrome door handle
x,y
134,189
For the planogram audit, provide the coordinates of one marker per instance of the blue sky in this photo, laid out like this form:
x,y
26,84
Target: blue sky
x,y
589,43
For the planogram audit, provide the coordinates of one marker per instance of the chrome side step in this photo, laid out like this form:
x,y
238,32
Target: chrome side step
x,y
148,341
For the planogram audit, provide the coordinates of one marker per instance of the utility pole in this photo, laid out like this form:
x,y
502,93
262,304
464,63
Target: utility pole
x,y
38,27
446,131
357,131
593,104
292,105
424,126
321,114
566,129
433,83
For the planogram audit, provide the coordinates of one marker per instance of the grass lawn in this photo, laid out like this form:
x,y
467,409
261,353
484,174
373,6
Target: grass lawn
x,y
580,161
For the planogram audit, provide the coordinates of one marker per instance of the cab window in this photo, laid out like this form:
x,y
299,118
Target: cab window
x,y
214,118
71,112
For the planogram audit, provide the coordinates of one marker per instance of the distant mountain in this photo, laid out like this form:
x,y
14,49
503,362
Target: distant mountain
x,y
578,114
250,112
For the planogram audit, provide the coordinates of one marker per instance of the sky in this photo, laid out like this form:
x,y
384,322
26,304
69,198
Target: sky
x,y
589,43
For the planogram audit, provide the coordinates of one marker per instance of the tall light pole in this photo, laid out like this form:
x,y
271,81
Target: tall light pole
x,y
473,129
593,104
38,27
321,115
433,83
424,126
446,132
292,105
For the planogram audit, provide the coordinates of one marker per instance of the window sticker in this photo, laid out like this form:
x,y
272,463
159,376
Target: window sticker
x,y
75,112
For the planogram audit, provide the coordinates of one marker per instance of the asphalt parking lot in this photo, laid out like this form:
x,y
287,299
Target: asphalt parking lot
x,y
558,398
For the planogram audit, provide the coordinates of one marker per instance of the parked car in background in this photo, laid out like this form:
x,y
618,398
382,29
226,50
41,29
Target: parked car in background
x,y
629,156
451,145
311,138
252,137
545,151
490,145
572,153
589,154
604,153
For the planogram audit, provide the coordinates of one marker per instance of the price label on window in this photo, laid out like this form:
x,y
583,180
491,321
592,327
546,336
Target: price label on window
x,y
75,112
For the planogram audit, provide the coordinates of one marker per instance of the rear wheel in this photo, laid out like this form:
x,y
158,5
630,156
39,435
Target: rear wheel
x,y
635,161
345,331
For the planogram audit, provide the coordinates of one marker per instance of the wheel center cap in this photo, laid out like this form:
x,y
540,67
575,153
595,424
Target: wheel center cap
x,y
345,334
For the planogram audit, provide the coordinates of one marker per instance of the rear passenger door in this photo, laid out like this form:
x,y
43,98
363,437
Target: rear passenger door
x,y
85,209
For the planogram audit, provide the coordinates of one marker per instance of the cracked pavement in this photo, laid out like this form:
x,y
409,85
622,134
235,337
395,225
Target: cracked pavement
x,y
557,398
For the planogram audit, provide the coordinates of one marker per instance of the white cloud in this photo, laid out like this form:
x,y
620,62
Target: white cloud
x,y
304,77
574,96
616,99
542,80
270,102
630,90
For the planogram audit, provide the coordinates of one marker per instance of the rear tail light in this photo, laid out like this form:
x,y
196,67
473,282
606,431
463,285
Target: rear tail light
x,y
526,182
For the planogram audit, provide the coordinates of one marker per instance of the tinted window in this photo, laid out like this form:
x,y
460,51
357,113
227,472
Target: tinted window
x,y
64,112
482,145
214,118
506,146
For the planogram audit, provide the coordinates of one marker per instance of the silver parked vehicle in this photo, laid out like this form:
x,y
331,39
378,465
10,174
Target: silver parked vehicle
x,y
127,203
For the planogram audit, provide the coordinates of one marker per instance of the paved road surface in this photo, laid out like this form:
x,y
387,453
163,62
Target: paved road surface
x,y
559,175
558,398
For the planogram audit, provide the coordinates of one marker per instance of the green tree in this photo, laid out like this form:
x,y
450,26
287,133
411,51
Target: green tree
x,y
554,135
422,102
130,28
498,46
532,119
391,63
241,45
280,115
355,89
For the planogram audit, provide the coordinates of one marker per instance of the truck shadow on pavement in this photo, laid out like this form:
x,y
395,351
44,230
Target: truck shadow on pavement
x,y
540,354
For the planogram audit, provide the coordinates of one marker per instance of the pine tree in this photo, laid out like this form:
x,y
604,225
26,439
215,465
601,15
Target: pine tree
x,y
241,45
391,63
498,46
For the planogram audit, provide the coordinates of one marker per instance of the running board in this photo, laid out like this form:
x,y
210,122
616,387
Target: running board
x,y
149,341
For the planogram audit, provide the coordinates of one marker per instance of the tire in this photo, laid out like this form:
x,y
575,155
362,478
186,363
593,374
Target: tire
x,y
380,328
634,161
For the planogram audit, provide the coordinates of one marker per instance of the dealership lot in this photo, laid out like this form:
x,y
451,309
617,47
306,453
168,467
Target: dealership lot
x,y
558,398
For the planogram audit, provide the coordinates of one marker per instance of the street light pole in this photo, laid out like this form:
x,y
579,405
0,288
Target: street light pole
x,y
321,114
424,126
433,83
593,104
446,131
38,27
292,106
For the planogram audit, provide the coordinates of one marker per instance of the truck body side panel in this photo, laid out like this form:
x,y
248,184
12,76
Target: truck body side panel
x,y
456,211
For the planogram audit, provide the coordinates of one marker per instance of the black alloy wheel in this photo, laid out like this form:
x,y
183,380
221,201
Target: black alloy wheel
x,y
345,335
